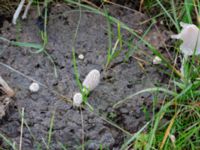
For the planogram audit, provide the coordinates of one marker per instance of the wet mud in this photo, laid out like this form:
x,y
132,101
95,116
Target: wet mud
x,y
73,127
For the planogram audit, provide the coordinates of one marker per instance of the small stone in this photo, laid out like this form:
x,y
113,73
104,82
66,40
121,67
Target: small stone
x,y
34,87
81,56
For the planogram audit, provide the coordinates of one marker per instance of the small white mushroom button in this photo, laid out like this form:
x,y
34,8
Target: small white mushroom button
x,y
34,87
77,99
157,60
81,56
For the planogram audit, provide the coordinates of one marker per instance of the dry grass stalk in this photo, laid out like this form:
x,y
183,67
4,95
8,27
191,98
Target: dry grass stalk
x,y
5,88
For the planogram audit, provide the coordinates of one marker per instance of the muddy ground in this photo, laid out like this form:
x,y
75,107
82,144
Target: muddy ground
x,y
119,81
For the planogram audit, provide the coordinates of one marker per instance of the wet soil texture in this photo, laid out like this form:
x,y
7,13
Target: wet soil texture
x,y
72,127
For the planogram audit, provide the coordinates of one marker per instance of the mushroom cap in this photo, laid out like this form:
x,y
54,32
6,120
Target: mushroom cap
x,y
77,99
92,79
157,60
190,37
34,87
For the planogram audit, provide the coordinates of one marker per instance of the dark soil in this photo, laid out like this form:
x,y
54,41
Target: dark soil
x,y
119,81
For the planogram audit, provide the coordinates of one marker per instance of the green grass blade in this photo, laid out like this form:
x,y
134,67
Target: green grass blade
x,y
134,137
169,16
76,69
23,44
188,5
155,89
109,55
51,129
119,36
175,14
11,144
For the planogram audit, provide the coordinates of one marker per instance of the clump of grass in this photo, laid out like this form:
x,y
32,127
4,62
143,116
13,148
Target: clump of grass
x,y
182,109
172,12
112,51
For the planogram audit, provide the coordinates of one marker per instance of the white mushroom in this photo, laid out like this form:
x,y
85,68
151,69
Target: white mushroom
x,y
34,87
77,99
157,60
81,56
190,37
92,80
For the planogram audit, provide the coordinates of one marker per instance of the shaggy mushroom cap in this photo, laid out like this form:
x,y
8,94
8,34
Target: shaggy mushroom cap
x,y
92,80
190,37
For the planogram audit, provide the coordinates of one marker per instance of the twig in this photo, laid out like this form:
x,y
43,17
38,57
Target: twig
x,y
6,88
21,130
90,3
83,133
